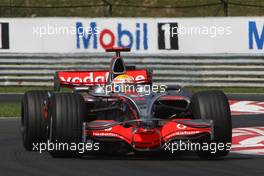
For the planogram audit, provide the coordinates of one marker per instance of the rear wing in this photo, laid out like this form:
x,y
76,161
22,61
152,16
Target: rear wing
x,y
117,50
91,78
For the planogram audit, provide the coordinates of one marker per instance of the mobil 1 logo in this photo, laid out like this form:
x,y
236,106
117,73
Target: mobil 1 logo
x,y
168,36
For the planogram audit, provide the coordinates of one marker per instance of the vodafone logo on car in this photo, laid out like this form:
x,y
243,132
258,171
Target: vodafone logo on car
x,y
89,78
92,77
181,126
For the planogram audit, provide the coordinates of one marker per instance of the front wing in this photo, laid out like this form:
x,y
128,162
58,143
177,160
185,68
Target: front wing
x,y
141,138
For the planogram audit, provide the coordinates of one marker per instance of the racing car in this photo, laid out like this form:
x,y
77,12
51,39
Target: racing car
x,y
92,106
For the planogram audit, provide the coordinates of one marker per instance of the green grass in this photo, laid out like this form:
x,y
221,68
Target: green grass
x,y
10,109
121,8
12,89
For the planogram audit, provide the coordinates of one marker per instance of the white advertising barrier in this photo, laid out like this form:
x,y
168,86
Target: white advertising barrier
x,y
232,35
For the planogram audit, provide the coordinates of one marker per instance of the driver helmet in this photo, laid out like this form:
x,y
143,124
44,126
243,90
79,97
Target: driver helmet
x,y
120,81
123,79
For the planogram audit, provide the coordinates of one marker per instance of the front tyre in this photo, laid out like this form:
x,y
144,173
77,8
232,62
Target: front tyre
x,y
65,123
213,105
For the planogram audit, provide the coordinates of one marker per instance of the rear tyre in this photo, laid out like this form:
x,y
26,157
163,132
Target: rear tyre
x,y
213,105
65,123
33,120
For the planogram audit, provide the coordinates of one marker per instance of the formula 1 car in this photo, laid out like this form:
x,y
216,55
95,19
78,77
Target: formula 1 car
x,y
123,111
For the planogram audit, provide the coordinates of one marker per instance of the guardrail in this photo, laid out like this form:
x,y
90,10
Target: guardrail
x,y
233,71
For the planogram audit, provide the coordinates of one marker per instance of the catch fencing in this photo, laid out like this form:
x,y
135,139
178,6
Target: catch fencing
x,y
214,71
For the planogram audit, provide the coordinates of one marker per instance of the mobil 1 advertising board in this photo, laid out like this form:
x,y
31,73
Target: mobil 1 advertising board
x,y
233,35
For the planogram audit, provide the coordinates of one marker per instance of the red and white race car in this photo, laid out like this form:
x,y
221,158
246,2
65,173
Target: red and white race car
x,y
123,111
